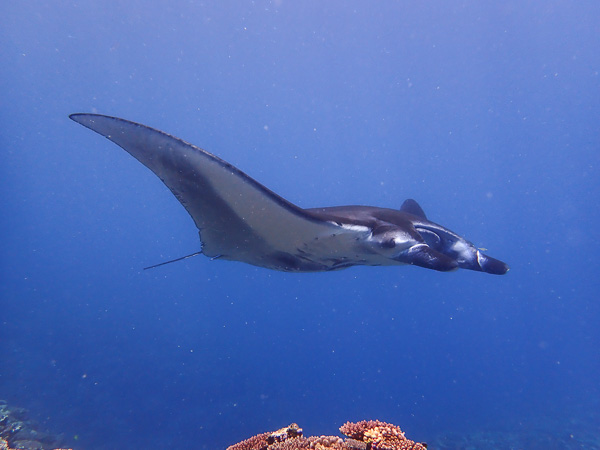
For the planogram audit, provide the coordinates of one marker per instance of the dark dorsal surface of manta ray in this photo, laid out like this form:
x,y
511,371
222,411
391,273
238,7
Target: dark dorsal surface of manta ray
x,y
241,220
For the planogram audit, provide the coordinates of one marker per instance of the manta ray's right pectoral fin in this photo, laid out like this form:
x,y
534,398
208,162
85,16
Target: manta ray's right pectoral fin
x,y
424,256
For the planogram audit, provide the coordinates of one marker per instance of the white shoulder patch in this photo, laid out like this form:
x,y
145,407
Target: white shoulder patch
x,y
460,247
356,228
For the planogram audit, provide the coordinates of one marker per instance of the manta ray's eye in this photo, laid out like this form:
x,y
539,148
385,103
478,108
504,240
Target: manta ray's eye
x,y
389,243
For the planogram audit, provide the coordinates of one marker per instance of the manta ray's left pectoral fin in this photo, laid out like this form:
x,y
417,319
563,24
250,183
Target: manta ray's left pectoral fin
x,y
424,256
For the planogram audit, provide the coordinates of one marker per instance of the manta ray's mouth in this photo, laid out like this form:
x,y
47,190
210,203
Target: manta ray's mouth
x,y
423,255
491,265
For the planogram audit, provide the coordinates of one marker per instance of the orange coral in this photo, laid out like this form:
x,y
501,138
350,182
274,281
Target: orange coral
x,y
258,442
264,441
327,443
364,435
380,435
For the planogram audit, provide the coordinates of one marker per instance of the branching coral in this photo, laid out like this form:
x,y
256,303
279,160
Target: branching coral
x,y
364,435
379,435
269,440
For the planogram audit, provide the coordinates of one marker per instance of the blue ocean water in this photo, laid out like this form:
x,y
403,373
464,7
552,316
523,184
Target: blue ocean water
x,y
487,113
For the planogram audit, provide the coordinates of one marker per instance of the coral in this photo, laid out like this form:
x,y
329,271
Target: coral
x,y
16,432
365,435
379,435
327,443
291,444
258,442
267,440
284,433
34,445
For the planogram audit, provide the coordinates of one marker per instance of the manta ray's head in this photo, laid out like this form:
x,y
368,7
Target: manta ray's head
x,y
463,252
426,244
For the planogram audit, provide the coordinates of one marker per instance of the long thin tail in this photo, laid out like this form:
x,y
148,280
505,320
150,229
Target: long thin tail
x,y
173,260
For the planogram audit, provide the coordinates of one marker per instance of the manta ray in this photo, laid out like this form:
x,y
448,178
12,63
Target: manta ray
x,y
239,219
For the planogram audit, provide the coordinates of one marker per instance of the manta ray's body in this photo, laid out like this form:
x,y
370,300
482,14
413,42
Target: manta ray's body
x,y
241,220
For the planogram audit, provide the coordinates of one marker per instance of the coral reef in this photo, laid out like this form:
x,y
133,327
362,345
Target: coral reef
x,y
364,435
267,440
380,435
16,432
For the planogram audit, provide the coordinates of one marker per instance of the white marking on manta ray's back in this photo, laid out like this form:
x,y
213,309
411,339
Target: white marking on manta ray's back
x,y
352,227
464,250
459,247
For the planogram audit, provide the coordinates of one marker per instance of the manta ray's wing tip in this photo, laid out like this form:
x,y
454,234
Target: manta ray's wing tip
x,y
83,118
76,116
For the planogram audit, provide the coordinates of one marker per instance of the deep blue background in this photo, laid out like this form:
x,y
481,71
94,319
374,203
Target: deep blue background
x,y
487,113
